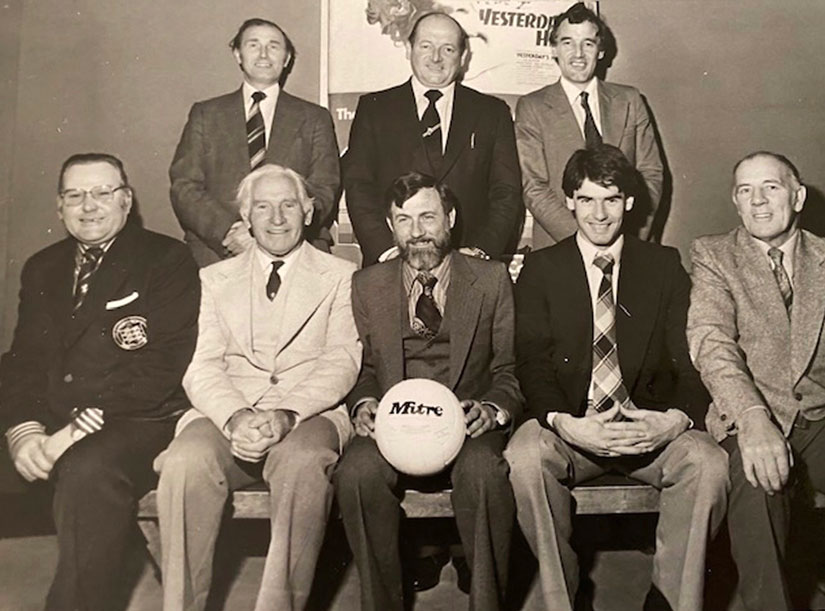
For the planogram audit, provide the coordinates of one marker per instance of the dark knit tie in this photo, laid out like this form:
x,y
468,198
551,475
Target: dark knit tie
x,y
426,309
88,266
255,133
592,137
274,282
431,128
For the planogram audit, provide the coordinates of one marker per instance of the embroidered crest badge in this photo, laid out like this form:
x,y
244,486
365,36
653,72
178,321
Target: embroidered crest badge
x,y
130,333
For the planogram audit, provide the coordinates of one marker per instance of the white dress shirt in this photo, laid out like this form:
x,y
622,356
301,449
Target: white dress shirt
x,y
444,106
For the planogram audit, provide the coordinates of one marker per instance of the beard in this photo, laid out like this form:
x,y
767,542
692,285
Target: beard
x,y
426,253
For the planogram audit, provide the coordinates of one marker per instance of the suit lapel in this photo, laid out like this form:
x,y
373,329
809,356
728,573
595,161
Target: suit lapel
x,y
570,290
462,312
461,126
233,143
613,115
59,297
760,283
808,308
286,124
409,127
106,283
388,303
566,131
308,286
636,306
233,297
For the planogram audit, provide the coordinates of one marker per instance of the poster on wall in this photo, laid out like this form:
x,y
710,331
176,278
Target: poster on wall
x,y
509,53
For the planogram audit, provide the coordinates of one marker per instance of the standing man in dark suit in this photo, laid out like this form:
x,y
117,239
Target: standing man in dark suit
x,y
91,388
578,110
228,136
434,125
432,313
610,386
755,329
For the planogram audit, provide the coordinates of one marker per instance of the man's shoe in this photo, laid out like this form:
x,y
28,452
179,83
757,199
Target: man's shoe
x,y
425,572
462,569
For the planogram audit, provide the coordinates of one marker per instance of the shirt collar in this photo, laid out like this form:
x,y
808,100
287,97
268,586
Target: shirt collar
x,y
589,250
82,248
787,248
265,259
419,89
271,93
440,271
573,92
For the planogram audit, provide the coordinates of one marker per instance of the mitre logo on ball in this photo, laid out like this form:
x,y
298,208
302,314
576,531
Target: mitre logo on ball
x,y
419,426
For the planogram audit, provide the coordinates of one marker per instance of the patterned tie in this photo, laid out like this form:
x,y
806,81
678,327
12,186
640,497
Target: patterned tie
x,y
781,278
255,133
608,387
426,309
274,282
88,266
592,137
431,128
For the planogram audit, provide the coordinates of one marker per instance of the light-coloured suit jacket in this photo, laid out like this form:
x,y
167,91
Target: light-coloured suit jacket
x,y
547,134
318,355
745,348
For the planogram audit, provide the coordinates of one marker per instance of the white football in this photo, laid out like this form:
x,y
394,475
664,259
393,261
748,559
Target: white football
x,y
419,426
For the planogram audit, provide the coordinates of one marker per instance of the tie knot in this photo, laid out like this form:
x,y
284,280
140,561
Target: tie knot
x,y
93,254
276,265
427,281
258,97
604,263
776,256
433,95
584,97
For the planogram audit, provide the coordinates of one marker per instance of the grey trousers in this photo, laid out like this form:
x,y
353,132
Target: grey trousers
x,y
197,476
691,472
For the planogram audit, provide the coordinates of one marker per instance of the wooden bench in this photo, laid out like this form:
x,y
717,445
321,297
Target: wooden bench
x,y
605,495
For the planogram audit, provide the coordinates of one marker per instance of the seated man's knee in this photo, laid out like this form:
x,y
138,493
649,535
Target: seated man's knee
x,y
477,463
361,465
706,457
191,457
298,462
523,454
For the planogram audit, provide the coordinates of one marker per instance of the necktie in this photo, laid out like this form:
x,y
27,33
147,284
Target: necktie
x,y
431,128
592,137
781,277
426,309
274,282
608,387
88,266
255,134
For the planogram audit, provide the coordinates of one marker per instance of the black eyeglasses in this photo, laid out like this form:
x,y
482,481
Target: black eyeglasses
x,y
103,194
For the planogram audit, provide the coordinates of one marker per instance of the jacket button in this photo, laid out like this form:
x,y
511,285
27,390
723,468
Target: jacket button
x,y
723,417
797,396
68,378
273,378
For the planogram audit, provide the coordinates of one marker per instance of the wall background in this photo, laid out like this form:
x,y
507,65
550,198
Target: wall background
x,y
722,79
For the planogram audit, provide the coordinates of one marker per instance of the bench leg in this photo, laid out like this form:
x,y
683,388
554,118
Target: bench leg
x,y
151,532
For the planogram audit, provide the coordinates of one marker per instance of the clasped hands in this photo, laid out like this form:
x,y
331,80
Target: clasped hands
x,y
639,432
478,418
252,433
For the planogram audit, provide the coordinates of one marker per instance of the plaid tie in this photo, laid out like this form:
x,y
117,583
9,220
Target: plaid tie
x,y
781,277
592,137
255,134
431,128
426,309
608,387
88,266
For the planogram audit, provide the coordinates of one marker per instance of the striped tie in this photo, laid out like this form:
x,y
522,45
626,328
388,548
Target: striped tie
x,y
781,277
608,387
88,266
426,310
255,133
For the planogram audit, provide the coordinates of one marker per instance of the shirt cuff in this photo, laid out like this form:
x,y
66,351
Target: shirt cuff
x,y
16,434
550,418
751,408
358,404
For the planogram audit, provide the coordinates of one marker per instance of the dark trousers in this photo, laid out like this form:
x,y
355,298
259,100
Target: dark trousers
x,y
759,523
98,482
369,492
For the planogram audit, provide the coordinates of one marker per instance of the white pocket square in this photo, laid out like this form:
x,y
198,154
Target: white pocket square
x,y
119,303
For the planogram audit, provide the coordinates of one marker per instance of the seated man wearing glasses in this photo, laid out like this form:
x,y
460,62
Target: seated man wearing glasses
x,y
91,388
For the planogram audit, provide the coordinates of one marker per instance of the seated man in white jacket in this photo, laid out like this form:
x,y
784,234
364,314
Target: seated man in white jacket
x,y
277,352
